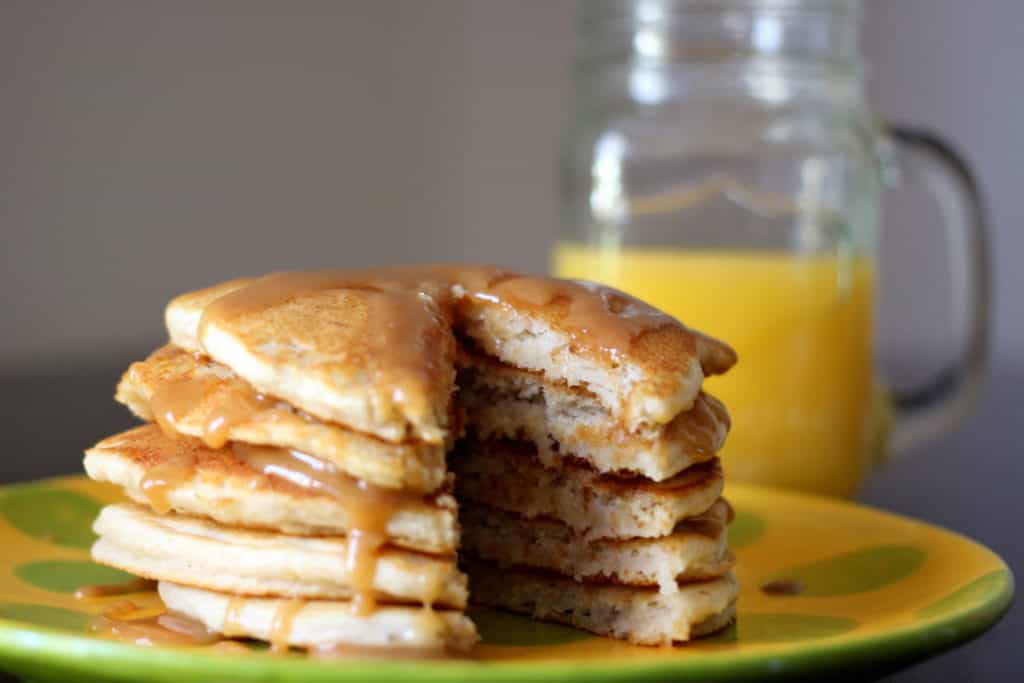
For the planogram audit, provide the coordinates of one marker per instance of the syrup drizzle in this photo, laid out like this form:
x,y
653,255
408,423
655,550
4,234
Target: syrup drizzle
x,y
120,609
281,627
361,563
402,325
107,590
219,406
164,629
170,403
232,616
370,509
596,317
159,481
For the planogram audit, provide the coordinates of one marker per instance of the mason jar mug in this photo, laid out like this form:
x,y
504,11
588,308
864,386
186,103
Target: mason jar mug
x,y
723,164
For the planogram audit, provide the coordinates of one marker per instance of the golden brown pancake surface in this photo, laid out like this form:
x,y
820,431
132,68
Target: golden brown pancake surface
x,y
224,486
326,341
196,396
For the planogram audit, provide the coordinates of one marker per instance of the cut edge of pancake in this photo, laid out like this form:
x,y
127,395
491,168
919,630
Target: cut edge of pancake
x,y
697,550
562,421
508,476
637,396
641,616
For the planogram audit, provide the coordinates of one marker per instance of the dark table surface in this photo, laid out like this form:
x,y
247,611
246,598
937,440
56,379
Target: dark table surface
x,y
971,482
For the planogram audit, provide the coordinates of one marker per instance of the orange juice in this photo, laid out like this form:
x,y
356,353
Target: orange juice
x,y
800,396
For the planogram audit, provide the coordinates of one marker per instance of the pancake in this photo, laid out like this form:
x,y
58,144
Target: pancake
x,y
644,365
375,360
696,550
505,402
642,616
508,475
184,313
322,623
204,554
343,332
223,486
199,397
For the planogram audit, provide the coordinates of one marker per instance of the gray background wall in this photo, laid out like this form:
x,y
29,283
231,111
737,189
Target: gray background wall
x,y
149,147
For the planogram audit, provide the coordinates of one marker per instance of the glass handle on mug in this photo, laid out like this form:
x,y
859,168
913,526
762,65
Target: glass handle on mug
x,y
936,406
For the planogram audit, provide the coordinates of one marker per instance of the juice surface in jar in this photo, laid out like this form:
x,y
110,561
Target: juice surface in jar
x,y
801,395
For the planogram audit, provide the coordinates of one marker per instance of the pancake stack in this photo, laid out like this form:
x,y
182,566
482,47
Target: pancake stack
x,y
293,484
281,492
590,494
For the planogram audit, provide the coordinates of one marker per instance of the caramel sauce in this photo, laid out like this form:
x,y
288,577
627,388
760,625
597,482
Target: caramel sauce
x,y
173,400
361,562
107,590
594,316
370,508
272,290
120,609
165,629
221,406
232,626
281,626
229,413
159,481
400,324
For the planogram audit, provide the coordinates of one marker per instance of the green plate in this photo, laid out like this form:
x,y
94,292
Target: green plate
x,y
880,591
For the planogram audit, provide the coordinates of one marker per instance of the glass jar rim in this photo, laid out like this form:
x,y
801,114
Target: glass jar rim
x,y
657,32
655,9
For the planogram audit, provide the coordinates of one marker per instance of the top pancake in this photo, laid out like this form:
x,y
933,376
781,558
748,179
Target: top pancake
x,y
374,349
378,360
